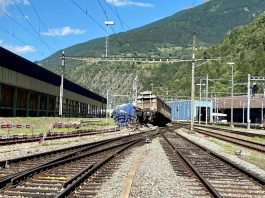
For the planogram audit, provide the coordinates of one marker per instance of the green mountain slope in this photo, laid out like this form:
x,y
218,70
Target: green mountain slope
x,y
211,21
245,46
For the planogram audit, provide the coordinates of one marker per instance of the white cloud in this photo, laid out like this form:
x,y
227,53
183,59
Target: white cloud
x,y
62,31
128,3
18,49
4,4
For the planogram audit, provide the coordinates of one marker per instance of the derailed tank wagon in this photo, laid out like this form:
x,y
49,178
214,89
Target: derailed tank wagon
x,y
128,114
149,109
155,110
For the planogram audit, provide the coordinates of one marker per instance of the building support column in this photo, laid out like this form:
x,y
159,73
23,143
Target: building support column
x,y
87,110
38,105
28,103
70,108
15,102
66,108
47,106
0,98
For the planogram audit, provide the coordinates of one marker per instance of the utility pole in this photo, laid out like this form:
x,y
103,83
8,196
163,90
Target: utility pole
x,y
200,105
262,105
211,110
192,82
243,112
248,108
200,108
206,115
61,86
232,95
107,105
215,107
106,46
135,85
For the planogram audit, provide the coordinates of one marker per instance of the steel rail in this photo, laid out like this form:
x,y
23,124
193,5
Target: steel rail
x,y
85,174
242,169
209,187
9,178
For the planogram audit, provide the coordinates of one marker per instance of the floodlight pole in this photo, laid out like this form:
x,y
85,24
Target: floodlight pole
x,y
107,23
61,86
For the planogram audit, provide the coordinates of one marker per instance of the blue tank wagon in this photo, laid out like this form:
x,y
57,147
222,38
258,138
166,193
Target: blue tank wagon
x,y
127,114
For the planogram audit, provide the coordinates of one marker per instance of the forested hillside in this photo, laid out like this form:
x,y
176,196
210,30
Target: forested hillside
x,y
211,21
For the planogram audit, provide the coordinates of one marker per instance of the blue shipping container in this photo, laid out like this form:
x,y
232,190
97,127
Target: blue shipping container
x,y
181,110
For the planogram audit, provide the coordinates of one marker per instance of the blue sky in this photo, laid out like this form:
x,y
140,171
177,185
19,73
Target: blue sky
x,y
36,29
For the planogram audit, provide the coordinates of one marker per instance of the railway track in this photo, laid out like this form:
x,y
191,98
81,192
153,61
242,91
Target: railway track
x,y
12,168
183,170
51,136
61,177
240,140
243,133
218,176
249,134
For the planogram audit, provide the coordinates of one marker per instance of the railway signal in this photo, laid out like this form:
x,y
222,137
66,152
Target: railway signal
x,y
254,89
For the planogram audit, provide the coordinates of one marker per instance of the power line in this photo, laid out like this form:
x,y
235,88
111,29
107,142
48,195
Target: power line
x,y
43,23
117,14
13,20
92,18
38,34
194,1
17,38
104,11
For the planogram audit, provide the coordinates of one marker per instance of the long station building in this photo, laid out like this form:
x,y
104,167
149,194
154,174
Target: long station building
x,y
26,89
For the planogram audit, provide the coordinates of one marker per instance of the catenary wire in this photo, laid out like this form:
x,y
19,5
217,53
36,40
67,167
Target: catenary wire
x,y
43,23
33,28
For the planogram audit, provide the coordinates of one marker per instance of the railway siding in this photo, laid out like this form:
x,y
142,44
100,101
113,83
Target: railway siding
x,y
203,142
222,178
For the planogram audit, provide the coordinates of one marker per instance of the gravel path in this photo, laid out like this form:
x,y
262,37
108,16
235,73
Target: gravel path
x,y
220,151
155,177
20,150
113,187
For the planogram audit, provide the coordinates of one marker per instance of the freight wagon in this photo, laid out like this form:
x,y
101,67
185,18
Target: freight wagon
x,y
156,111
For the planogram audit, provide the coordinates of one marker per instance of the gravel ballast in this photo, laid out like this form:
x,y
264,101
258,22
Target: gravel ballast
x,y
113,187
25,149
155,177
219,150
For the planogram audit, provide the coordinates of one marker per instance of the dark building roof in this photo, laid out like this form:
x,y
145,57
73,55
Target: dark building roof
x,y
17,63
241,102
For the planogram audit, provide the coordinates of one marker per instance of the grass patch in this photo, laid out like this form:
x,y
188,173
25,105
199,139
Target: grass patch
x,y
258,139
226,146
252,157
